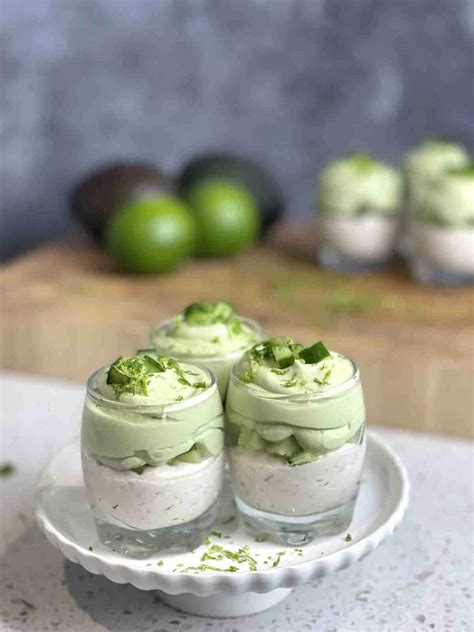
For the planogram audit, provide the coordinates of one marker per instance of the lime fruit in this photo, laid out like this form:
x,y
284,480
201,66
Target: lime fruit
x,y
227,217
239,170
151,235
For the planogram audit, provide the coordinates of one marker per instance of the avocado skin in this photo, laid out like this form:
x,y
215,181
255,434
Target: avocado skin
x,y
95,199
243,171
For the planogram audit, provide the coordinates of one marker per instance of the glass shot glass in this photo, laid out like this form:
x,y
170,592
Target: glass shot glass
x,y
295,502
441,255
357,244
139,511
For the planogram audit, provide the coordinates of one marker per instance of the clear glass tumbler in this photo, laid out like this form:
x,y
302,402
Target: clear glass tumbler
x,y
290,501
357,244
141,510
442,255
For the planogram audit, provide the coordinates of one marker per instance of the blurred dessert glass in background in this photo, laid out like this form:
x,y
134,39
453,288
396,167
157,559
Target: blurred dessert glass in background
x,y
442,230
359,204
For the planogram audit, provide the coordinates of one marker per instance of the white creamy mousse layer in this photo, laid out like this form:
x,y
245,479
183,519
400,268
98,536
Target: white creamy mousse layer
x,y
269,484
370,238
162,496
451,249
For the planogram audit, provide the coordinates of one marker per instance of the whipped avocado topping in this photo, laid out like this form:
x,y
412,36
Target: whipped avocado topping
x,y
424,165
433,157
205,329
151,410
449,201
359,185
150,379
277,403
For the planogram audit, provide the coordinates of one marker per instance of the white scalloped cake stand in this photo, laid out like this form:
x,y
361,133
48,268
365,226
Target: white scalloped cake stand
x,y
63,514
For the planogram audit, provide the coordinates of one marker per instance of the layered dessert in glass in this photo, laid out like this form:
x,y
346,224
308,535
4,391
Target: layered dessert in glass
x,y
442,230
295,421
208,334
359,205
440,199
152,453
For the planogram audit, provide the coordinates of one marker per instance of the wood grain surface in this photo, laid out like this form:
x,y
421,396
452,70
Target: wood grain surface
x,y
66,310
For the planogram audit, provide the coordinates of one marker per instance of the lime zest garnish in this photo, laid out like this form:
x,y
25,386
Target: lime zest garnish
x,y
325,380
131,374
241,556
200,385
277,560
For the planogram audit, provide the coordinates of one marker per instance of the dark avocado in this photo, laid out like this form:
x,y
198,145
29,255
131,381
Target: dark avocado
x,y
95,199
243,171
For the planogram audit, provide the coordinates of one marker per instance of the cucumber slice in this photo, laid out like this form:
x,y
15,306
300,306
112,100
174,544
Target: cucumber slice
x,y
115,376
315,353
283,356
152,365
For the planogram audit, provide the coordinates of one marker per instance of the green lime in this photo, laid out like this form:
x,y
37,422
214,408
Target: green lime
x,y
151,235
239,170
226,215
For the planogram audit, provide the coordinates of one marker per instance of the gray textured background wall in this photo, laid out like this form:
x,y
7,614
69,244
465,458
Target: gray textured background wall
x,y
291,82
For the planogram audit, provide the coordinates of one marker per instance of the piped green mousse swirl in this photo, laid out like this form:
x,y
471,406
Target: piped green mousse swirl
x,y
358,185
205,329
294,402
424,167
209,334
150,410
449,201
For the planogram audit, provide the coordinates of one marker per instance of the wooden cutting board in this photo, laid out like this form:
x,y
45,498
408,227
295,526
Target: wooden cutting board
x,y
66,310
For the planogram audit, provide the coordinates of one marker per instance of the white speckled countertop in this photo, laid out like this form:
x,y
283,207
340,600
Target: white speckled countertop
x,y
420,580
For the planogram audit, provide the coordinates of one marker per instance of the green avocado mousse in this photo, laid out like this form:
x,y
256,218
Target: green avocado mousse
x,y
209,334
152,452
424,164
295,421
359,202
